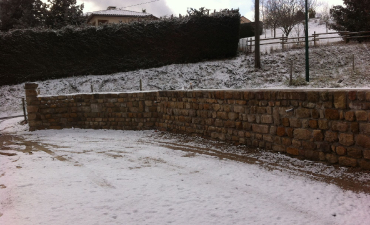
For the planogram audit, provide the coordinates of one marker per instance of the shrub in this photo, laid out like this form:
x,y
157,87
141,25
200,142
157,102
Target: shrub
x,y
30,55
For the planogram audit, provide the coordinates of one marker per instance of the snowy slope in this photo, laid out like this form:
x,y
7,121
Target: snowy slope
x,y
330,67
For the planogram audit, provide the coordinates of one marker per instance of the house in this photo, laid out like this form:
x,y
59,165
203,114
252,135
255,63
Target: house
x,y
244,20
114,15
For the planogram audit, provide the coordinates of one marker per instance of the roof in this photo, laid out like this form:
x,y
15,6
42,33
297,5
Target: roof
x,y
244,20
118,12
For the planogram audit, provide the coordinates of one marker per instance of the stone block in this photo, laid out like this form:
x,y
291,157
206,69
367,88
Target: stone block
x,y
285,122
229,123
232,116
228,95
280,131
340,100
273,130
286,141
346,161
32,109
315,114
312,155
302,134
303,113
331,158
296,143
278,148
354,153
366,153
339,126
313,124
239,109
308,145
365,128
352,95
332,114
346,139
363,141
266,119
294,122
331,136
361,115
251,118
30,86
340,150
289,131
264,129
364,164
317,135
292,151
313,97
268,138
222,115
350,116
31,93
276,115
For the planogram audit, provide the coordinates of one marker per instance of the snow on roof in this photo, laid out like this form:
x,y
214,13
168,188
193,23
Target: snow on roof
x,y
119,12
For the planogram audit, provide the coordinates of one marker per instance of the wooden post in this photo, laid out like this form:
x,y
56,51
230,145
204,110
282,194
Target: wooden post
x,y
291,73
282,42
250,44
141,85
299,43
24,110
353,64
257,53
314,38
91,87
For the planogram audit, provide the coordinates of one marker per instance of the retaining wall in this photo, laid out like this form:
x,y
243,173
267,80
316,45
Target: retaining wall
x,y
324,125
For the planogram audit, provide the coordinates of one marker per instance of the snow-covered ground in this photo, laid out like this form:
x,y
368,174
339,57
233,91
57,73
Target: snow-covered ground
x,y
316,26
75,176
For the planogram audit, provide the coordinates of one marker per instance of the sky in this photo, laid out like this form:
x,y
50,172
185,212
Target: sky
x,y
167,7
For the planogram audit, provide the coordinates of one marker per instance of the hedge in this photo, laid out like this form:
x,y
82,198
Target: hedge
x,y
247,29
31,55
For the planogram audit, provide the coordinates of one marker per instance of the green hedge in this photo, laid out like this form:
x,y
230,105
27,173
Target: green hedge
x,y
247,29
31,55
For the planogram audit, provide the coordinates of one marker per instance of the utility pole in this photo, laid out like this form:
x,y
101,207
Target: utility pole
x,y
306,40
257,58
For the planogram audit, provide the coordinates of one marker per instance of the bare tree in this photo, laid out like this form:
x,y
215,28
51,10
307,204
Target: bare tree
x,y
271,19
289,13
325,14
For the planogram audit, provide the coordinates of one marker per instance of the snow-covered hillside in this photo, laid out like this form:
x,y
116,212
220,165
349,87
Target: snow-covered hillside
x,y
316,26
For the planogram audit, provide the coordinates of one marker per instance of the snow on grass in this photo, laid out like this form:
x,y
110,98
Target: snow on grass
x,y
128,177
315,26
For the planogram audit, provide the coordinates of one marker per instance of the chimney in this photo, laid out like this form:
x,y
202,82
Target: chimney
x,y
111,7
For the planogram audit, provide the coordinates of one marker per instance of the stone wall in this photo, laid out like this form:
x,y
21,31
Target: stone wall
x,y
118,111
323,125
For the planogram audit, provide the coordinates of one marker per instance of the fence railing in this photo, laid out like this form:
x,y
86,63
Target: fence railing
x,y
15,116
247,45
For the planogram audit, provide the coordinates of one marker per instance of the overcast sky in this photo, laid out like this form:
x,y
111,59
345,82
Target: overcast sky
x,y
168,7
